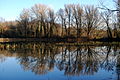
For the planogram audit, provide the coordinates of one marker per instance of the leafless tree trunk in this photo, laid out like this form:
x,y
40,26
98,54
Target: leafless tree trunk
x,y
40,12
91,19
68,11
78,16
106,17
51,18
116,11
24,21
61,18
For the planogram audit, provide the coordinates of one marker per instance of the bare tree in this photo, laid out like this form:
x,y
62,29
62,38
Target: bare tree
x,y
40,11
51,18
91,19
106,17
68,12
108,12
61,16
24,21
115,25
2,25
78,17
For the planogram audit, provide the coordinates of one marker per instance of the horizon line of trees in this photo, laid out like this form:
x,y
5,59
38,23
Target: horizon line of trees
x,y
73,21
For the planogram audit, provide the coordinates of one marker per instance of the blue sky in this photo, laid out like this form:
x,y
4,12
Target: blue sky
x,y
10,9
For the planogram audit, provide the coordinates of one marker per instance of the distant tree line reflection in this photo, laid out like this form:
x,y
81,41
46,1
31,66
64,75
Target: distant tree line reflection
x,y
73,60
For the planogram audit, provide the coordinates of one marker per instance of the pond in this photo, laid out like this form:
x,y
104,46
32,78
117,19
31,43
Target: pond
x,y
55,62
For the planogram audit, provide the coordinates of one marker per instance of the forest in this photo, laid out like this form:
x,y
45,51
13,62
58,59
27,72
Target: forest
x,y
74,22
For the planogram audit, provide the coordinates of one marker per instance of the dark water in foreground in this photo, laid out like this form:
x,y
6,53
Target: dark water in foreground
x,y
50,62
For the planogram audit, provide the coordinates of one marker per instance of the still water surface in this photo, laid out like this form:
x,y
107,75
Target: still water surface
x,y
51,62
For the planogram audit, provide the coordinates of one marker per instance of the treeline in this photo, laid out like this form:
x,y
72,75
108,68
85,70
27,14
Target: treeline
x,y
74,21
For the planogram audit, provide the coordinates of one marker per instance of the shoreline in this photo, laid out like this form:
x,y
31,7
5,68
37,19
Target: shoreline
x,y
55,40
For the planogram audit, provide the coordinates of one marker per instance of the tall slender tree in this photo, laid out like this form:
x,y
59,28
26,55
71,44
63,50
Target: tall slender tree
x,y
91,19
24,21
78,17
51,17
68,12
40,12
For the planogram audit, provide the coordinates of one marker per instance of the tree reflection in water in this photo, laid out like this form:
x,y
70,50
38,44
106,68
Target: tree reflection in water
x,y
73,60
118,66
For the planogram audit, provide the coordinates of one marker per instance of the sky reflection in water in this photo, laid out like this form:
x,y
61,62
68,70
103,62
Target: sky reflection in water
x,y
60,63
